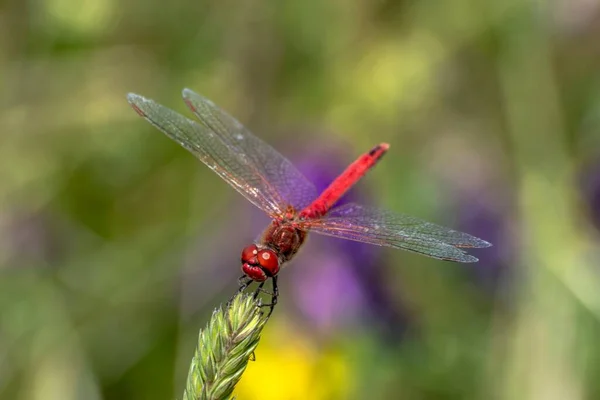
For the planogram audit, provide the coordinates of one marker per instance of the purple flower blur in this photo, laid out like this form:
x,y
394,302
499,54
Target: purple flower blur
x,y
341,281
33,239
482,203
479,218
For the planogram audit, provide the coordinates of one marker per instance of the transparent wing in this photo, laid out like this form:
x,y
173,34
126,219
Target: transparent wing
x,y
231,163
289,183
384,228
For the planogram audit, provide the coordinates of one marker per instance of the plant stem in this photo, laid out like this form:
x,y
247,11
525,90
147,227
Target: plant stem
x,y
224,349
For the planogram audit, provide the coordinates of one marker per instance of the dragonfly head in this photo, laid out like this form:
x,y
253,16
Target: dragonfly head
x,y
259,264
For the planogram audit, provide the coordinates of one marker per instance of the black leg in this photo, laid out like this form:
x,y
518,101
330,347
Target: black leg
x,y
243,282
274,297
265,291
258,290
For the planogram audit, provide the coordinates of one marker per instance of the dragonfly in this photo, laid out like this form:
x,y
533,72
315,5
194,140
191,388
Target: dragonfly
x,y
271,182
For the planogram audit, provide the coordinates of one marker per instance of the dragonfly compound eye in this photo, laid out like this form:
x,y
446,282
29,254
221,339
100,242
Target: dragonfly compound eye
x,y
254,272
249,254
269,261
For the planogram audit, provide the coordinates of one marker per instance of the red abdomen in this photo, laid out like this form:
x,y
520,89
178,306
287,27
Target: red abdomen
x,y
344,182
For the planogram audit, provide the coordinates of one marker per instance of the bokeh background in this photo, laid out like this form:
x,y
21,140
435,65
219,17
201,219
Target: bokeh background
x,y
116,244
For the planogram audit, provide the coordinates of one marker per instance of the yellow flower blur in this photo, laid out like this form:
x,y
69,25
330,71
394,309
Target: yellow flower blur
x,y
288,367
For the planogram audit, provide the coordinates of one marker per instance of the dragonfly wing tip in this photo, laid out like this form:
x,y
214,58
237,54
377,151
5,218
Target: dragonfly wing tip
x,y
470,259
484,244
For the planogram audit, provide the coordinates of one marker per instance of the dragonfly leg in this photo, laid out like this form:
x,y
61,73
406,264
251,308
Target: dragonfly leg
x,y
274,297
258,290
243,282
265,291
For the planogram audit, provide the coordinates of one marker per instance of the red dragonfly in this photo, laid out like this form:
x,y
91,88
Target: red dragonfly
x,y
270,182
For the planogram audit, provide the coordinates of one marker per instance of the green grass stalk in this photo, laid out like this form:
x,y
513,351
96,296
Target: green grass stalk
x,y
224,348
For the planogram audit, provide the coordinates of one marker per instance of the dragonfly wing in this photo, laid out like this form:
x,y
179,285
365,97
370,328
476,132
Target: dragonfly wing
x,y
229,162
384,228
289,183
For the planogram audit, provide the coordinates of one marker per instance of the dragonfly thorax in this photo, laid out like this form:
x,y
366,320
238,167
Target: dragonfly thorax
x,y
284,238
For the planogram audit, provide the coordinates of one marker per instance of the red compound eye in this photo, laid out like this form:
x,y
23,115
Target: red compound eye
x,y
269,261
254,273
249,254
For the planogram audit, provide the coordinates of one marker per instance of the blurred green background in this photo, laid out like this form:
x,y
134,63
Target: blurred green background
x,y
116,244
